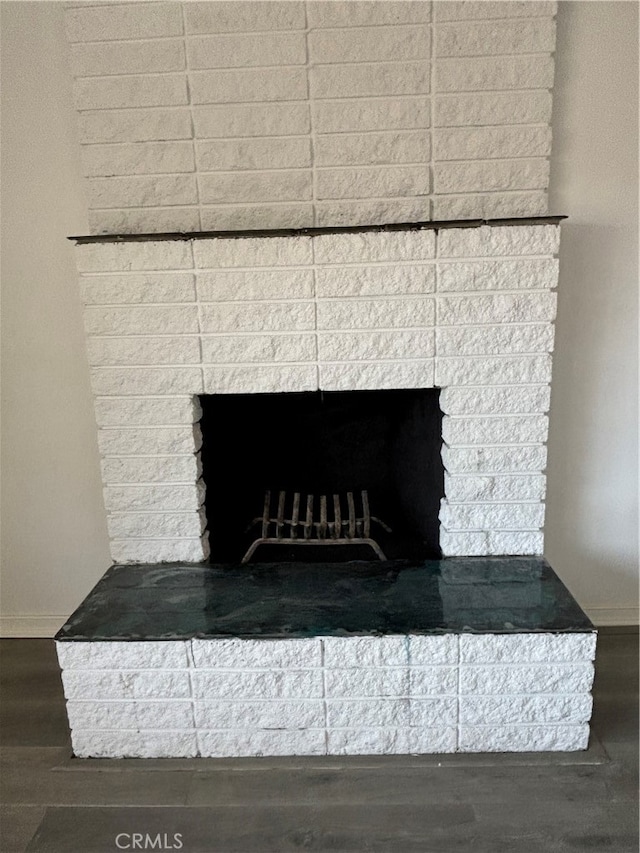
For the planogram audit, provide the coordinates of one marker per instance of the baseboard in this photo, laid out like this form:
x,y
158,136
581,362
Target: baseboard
x,y
27,625
612,616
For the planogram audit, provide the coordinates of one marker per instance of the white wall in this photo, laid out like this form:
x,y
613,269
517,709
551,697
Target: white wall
x,y
55,545
592,508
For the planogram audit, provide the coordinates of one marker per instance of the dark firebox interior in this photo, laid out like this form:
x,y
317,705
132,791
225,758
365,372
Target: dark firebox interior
x,y
385,442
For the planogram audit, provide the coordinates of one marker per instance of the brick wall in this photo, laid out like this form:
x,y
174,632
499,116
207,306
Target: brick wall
x,y
231,115
469,310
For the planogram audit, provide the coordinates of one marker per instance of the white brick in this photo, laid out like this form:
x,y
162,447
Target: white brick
x,y
484,143
253,252
150,498
499,240
495,401
433,680
368,742
262,348
133,255
533,107
130,351
454,10
125,21
356,81
113,655
141,441
145,191
246,85
373,246
251,120
389,280
433,740
269,714
495,459
372,182
146,525
371,114
359,652
495,340
525,429
493,370
425,649
148,320
361,376
509,516
323,14
532,678
491,176
214,744
365,212
366,682
493,205
131,289
250,217
496,37
230,51
144,220
354,149
137,158
257,317
528,648
238,154
123,381
101,716
108,93
129,684
366,346
134,125
508,488
546,738
501,710
433,712
159,550
174,411
133,744
372,314
526,274
229,16
499,72
210,685
253,285
463,544
260,380
256,654
235,187
365,713
160,469
496,308
381,44
501,542
89,60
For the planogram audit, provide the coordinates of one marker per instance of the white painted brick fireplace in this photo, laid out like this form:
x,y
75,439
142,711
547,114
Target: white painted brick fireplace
x,y
468,310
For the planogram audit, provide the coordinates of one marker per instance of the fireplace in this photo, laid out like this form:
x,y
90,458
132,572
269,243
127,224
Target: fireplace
x,y
398,375
334,451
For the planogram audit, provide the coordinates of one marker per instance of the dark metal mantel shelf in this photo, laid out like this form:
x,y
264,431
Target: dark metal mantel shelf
x,y
433,225
286,600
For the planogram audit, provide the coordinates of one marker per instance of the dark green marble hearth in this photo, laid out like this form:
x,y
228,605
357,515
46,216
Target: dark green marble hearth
x,y
170,601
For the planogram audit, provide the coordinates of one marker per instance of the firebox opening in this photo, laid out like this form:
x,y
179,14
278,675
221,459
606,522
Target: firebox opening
x,y
370,453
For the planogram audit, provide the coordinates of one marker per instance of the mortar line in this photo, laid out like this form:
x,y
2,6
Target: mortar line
x,y
190,105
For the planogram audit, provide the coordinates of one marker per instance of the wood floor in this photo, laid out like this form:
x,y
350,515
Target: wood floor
x,y
556,803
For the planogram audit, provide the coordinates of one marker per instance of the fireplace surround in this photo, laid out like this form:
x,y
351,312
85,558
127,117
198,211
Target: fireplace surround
x,y
464,309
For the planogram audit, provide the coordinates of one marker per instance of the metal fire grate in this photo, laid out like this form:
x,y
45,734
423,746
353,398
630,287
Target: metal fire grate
x,y
323,522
